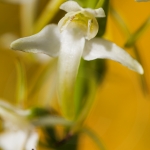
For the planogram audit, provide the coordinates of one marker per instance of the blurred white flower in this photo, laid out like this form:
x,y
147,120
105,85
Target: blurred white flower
x,y
72,39
19,133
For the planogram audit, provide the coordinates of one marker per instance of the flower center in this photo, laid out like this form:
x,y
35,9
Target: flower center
x,y
82,22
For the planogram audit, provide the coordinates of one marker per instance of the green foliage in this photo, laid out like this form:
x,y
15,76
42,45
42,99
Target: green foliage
x,y
134,37
94,137
36,112
89,71
103,21
87,3
68,142
21,83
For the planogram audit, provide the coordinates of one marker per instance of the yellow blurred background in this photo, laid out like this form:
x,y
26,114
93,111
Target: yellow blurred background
x,y
120,115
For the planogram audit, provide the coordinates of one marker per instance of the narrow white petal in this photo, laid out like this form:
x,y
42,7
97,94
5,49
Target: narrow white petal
x,y
47,41
100,48
69,60
70,6
96,12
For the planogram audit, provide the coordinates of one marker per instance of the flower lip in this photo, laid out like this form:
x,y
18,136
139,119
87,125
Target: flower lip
x,y
83,21
80,18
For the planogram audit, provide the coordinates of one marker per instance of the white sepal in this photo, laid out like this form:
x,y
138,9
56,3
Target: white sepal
x,y
100,48
95,12
70,6
47,41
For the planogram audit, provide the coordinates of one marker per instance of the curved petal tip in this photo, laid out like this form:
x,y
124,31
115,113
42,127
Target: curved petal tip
x,y
70,6
138,67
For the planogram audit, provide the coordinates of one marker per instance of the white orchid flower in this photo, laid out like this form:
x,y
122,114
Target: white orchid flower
x,y
72,39
20,133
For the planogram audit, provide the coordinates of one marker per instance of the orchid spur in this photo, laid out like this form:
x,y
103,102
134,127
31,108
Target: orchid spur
x,y
72,39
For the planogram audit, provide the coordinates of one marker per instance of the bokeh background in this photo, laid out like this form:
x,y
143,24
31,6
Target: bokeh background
x,y
120,115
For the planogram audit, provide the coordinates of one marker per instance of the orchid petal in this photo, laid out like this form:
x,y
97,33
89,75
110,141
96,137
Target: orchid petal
x,y
100,48
70,6
96,12
69,59
47,41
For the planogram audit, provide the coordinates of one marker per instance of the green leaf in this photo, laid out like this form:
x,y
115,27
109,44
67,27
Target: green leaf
x,y
37,112
119,20
21,94
50,120
87,3
94,137
90,74
102,21
69,143
134,37
122,25
46,73
54,142
48,14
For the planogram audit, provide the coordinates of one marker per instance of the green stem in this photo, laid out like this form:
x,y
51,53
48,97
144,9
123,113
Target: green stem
x,y
94,137
21,94
48,14
87,107
117,18
27,16
134,37
100,3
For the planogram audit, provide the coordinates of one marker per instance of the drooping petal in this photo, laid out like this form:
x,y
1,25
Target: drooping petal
x,y
100,48
96,12
47,41
72,46
70,6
